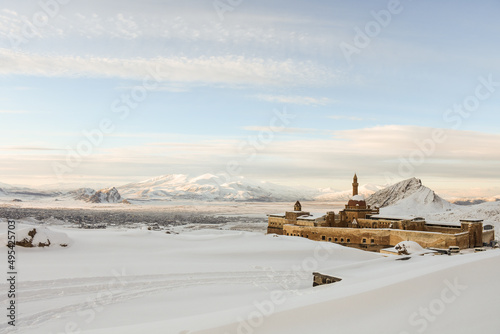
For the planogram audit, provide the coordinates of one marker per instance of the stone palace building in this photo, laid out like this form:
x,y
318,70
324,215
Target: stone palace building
x,y
360,226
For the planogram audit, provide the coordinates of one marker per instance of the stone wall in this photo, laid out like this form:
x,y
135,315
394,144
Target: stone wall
x,y
488,236
369,238
275,225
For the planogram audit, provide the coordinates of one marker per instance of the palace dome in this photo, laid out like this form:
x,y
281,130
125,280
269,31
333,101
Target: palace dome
x,y
357,201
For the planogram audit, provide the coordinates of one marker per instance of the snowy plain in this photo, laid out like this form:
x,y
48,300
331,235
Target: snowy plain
x,y
122,280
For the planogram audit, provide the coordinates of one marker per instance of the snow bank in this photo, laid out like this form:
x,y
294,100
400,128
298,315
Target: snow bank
x,y
409,247
38,237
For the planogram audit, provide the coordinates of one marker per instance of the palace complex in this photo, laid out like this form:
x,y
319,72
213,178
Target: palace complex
x,y
361,226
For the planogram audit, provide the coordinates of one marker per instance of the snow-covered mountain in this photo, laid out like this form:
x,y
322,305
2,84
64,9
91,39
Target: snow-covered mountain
x,y
331,195
25,193
5,186
489,211
409,197
473,201
109,195
209,187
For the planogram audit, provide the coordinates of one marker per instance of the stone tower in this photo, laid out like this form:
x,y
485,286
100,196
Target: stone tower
x,y
355,185
297,206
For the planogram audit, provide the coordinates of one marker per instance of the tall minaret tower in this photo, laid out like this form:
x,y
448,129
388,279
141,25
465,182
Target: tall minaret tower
x,y
355,185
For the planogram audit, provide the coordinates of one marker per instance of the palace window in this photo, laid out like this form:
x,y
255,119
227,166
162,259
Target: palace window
x,y
364,240
372,241
336,239
329,239
348,240
323,237
341,239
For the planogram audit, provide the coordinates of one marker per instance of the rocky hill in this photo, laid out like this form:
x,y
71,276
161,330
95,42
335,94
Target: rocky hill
x,y
109,195
409,197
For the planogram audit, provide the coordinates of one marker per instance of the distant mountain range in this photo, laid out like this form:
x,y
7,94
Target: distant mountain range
x,y
209,187
408,197
473,201
405,195
206,187
331,195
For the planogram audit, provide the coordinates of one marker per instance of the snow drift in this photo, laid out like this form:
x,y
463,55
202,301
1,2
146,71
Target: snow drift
x,y
38,237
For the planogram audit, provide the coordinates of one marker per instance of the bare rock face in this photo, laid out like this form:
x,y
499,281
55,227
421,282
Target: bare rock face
x,y
110,195
83,194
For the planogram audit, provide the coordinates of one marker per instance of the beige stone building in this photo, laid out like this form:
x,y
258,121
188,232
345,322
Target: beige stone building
x,y
360,226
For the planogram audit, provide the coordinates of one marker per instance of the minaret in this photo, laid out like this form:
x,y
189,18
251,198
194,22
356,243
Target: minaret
x,y
355,185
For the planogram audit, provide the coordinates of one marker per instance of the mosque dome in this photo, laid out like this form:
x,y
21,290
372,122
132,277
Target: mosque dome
x,y
357,201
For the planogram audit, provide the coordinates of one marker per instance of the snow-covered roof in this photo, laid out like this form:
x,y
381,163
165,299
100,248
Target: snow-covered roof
x,y
358,198
437,222
312,216
396,217
276,215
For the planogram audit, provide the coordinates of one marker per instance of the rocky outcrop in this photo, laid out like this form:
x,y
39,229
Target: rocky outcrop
x,y
110,195
41,237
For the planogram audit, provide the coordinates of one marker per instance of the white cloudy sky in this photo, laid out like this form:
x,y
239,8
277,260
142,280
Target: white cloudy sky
x,y
217,79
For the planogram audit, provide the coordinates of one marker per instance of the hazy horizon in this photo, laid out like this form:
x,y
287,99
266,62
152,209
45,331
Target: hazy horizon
x,y
295,93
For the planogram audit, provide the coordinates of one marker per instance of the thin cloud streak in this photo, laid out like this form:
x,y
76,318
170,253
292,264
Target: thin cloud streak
x,y
13,111
350,118
295,99
234,70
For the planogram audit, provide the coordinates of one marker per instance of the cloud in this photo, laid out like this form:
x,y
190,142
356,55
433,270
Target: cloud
x,y
12,111
283,130
463,157
350,118
28,148
214,70
177,22
294,99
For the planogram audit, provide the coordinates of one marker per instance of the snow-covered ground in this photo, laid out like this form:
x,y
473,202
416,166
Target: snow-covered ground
x,y
220,281
216,279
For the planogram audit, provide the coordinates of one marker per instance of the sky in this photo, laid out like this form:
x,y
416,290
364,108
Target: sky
x,y
302,93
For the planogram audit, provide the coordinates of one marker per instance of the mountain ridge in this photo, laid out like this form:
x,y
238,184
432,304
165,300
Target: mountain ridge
x,y
409,196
